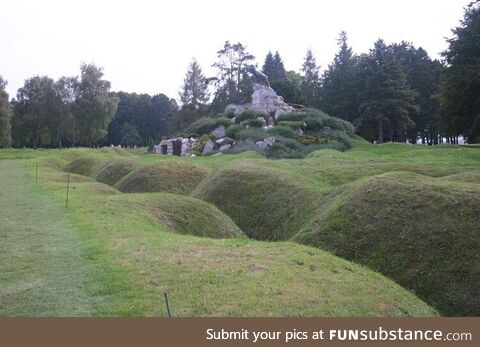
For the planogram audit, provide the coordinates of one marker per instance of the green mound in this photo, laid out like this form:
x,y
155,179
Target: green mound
x,y
423,232
468,176
135,247
114,171
86,165
187,215
115,150
166,176
263,202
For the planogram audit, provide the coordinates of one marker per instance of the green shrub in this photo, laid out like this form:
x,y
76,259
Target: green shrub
x,y
282,151
292,124
281,131
206,125
313,123
308,139
253,123
254,134
241,147
245,115
229,111
339,124
233,131
201,142
316,120
293,116
312,112
336,135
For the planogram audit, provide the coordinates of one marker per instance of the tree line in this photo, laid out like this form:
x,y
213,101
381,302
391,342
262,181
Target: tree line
x,y
394,92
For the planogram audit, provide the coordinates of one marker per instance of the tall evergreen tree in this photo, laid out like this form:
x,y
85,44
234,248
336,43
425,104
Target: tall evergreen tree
x,y
386,98
311,80
269,66
273,67
423,76
280,72
194,93
460,88
286,84
5,125
340,83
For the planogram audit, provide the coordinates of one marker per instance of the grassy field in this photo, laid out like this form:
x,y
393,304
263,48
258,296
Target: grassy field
x,y
201,230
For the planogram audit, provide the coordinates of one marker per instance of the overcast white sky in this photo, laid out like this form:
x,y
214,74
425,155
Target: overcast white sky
x,y
146,46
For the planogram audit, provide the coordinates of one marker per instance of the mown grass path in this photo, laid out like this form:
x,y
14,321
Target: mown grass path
x,y
42,271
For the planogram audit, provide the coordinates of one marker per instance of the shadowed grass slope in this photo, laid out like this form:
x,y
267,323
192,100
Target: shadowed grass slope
x,y
86,165
423,232
131,233
166,176
409,212
263,202
181,214
115,170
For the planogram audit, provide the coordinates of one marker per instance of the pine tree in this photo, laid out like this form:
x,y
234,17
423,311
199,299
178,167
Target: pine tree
x,y
194,93
279,71
269,66
311,80
386,98
274,68
460,88
423,76
338,94
5,126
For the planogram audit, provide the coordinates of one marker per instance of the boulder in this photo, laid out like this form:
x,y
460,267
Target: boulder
x,y
238,110
265,99
219,131
208,148
269,141
225,147
261,144
224,141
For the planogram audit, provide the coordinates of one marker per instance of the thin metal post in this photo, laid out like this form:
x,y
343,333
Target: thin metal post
x,y
68,187
166,302
36,173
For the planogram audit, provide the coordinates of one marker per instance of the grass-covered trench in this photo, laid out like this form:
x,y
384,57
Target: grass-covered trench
x,y
192,227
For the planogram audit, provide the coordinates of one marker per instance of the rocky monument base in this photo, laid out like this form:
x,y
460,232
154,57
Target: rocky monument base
x,y
266,102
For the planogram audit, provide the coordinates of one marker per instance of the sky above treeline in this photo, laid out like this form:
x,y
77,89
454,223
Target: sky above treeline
x,y
146,46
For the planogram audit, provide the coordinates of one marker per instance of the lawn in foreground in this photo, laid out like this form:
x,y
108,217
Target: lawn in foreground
x,y
107,256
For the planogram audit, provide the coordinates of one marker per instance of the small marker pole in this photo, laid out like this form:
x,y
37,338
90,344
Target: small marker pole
x,y
36,173
68,186
166,302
